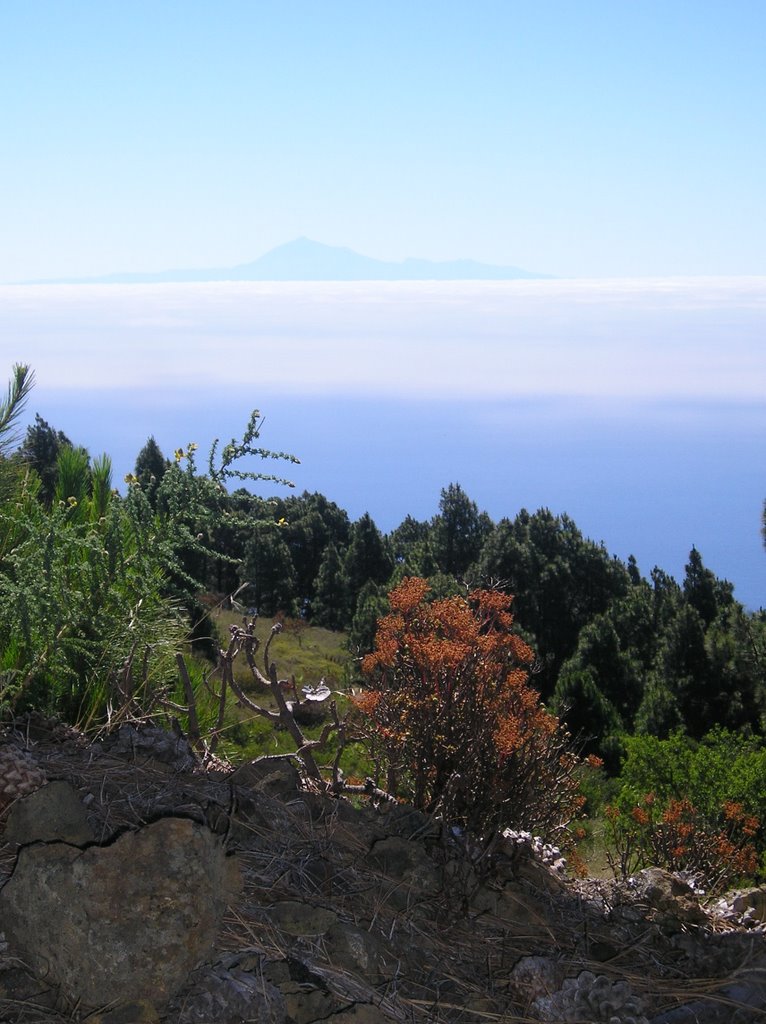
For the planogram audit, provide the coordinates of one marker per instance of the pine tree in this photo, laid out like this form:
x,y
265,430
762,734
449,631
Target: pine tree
x,y
560,580
151,466
368,558
459,531
700,588
589,715
270,570
371,606
313,523
328,607
684,664
11,407
41,449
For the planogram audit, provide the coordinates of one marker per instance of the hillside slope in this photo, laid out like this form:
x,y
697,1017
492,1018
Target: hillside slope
x,y
368,915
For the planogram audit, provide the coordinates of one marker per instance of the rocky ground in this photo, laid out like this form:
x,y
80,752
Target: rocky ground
x,y
137,887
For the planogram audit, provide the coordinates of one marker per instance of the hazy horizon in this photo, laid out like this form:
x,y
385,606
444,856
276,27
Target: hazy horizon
x,y
304,259
637,407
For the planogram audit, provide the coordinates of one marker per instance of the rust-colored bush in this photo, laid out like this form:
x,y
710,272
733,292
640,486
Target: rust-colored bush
x,y
453,720
677,837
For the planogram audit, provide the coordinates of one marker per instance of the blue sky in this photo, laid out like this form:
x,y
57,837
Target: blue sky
x,y
582,139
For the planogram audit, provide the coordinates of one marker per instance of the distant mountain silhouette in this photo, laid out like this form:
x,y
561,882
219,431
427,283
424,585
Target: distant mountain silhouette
x,y
304,260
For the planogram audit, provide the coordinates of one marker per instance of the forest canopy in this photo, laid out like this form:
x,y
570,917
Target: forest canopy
x,y
90,577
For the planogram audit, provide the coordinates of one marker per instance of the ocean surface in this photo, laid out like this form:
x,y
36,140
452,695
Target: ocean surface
x,y
636,406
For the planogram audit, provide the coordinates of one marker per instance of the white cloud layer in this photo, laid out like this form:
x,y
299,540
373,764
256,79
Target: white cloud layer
x,y
686,338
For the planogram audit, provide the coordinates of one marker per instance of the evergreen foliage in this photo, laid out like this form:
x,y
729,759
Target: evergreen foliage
x,y
368,559
371,606
41,448
458,532
313,524
560,580
703,591
151,466
269,569
97,590
329,603
11,407
81,602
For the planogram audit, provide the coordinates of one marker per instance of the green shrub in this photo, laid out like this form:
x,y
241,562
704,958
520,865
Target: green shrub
x,y
84,617
692,805
721,766
98,592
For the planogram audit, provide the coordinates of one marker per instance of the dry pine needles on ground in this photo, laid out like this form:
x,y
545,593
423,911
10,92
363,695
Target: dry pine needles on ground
x,y
380,913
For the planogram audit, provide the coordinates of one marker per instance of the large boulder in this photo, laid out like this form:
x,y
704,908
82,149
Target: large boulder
x,y
121,922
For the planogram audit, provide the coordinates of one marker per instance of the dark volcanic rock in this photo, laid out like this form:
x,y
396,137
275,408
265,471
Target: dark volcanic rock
x,y
228,996
142,913
344,916
54,813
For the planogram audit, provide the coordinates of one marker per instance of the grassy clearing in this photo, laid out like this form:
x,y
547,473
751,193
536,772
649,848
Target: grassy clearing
x,y
247,736
308,653
592,849
305,653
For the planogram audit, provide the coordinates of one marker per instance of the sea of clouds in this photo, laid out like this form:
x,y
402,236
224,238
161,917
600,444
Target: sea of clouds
x,y
693,337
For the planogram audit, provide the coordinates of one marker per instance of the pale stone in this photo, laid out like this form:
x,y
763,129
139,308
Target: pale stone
x,y
752,901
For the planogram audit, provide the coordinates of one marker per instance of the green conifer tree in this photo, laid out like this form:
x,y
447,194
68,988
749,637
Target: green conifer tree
x,y
151,466
328,607
41,448
459,531
368,558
